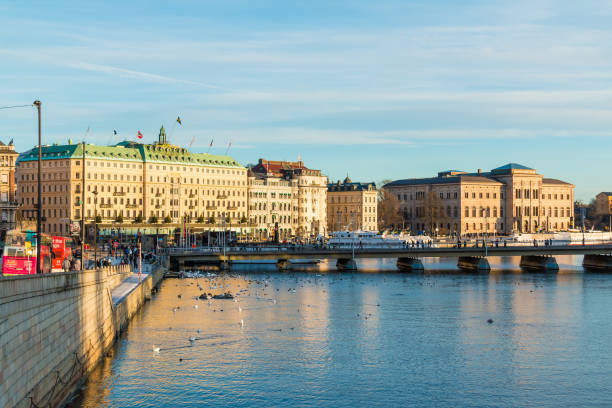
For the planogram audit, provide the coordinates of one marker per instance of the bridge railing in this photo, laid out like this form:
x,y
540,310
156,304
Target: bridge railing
x,y
280,248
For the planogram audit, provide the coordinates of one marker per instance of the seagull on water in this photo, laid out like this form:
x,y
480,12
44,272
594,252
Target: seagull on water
x,y
192,339
195,306
241,323
155,350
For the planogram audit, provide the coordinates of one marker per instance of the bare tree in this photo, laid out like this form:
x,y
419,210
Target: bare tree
x,y
434,211
388,210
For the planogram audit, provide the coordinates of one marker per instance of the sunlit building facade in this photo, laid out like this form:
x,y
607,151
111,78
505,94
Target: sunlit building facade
x,y
130,183
8,204
352,206
304,198
509,199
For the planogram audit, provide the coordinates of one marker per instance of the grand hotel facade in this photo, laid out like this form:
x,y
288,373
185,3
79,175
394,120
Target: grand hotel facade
x,y
160,183
509,199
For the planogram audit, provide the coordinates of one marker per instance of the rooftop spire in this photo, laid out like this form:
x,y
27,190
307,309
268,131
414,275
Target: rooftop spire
x,y
162,136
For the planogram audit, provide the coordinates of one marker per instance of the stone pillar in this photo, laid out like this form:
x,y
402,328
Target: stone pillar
x,y
539,263
282,264
346,264
410,264
474,263
597,262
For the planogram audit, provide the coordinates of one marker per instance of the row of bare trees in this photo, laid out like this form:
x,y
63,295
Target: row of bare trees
x,y
431,211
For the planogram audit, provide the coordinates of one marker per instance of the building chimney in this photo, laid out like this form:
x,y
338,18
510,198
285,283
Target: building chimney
x,y
479,172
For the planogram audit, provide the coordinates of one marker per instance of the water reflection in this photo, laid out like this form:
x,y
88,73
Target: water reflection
x,y
316,337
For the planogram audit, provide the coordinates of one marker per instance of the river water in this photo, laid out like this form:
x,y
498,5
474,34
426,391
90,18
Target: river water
x,y
377,337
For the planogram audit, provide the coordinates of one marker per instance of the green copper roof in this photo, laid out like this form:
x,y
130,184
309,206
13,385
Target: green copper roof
x,y
513,166
130,151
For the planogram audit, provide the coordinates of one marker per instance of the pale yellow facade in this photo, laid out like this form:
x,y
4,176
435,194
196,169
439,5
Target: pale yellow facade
x,y
128,182
273,207
8,205
308,196
352,206
506,200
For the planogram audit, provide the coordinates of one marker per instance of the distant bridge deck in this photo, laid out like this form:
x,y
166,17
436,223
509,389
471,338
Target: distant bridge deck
x,y
270,253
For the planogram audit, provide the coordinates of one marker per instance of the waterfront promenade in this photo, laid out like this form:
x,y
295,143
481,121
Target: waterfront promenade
x,y
55,328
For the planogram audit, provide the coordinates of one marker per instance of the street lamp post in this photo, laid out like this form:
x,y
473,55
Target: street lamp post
x,y
83,213
39,188
95,193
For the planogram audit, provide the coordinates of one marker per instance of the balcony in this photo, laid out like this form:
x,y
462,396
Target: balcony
x,y
158,195
131,206
192,195
233,207
211,207
221,197
158,206
191,207
106,206
118,194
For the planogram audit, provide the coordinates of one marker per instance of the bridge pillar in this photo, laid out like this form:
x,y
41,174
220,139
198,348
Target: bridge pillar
x,y
597,262
539,262
224,265
346,264
410,264
283,264
474,263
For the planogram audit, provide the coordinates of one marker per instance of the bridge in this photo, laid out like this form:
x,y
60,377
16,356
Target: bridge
x,y
472,258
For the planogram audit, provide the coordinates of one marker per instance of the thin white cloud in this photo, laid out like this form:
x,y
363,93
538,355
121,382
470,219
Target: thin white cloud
x,y
128,73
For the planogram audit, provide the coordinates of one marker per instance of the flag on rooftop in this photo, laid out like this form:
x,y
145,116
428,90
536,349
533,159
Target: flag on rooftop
x,y
178,119
139,135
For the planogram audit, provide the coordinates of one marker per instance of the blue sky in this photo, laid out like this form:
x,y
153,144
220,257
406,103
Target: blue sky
x,y
375,89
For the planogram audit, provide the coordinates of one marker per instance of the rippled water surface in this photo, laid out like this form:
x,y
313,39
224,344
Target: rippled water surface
x,y
320,338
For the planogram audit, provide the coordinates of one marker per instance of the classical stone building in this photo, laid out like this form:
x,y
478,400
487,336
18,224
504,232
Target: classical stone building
x,y
304,200
130,182
8,204
273,203
511,198
351,206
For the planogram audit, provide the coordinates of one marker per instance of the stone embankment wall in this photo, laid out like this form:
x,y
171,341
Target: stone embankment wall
x,y
54,329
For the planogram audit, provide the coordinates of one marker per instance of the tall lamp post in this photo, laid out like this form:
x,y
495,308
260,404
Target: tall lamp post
x,y
39,188
95,193
83,213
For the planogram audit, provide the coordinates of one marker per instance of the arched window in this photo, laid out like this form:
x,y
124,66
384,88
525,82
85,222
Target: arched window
x,y
494,211
467,211
474,214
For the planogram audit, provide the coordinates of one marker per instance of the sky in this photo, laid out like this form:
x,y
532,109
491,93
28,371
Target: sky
x,y
373,89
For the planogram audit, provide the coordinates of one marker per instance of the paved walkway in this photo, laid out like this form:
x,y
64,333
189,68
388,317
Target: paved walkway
x,y
127,286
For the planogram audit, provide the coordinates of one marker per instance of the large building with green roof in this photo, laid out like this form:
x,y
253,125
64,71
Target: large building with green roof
x,y
129,182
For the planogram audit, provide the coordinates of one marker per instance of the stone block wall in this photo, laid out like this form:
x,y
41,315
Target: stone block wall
x,y
54,328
